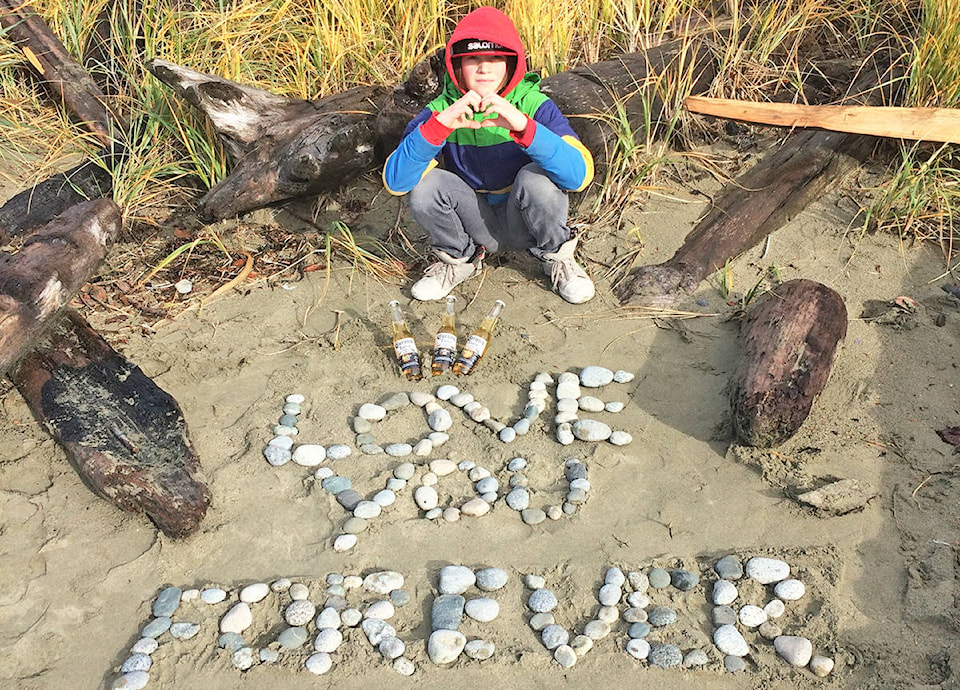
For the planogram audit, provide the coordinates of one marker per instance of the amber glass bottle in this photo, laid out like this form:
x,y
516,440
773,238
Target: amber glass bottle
x,y
478,342
404,345
445,346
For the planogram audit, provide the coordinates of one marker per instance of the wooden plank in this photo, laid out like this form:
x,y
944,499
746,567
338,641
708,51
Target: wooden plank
x,y
921,124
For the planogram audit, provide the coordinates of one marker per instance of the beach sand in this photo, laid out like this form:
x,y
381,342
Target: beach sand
x,y
78,576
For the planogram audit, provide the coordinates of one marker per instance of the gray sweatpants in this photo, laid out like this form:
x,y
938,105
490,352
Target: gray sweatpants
x,y
457,219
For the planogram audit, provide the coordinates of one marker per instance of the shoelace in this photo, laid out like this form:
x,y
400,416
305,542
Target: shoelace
x,y
565,270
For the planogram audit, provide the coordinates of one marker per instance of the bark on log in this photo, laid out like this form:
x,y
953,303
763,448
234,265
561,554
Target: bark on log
x,y
37,282
757,203
124,435
789,341
286,147
60,74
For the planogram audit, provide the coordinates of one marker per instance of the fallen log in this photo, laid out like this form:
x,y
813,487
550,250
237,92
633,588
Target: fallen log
x,y
285,148
919,124
758,202
125,437
37,282
788,343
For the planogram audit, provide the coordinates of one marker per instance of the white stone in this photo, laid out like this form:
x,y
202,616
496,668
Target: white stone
x,y
596,629
565,417
821,665
491,579
774,608
565,656
609,595
329,617
567,405
475,507
338,451
145,645
367,510
790,590
620,438
613,406
621,376
456,579
440,420
479,649
565,434
383,582
428,479
404,666
423,448
638,648
183,630
381,609
483,609
591,430
298,613
588,403
568,389
638,600
767,570
309,455
419,398
451,514
391,648
351,617
299,591
438,438
594,376
442,467
344,542
398,450
444,646
724,592
795,650
238,619
426,497
213,595
729,641
372,412
751,616
190,595
255,592
352,582
328,640
136,680
376,629
447,391
319,663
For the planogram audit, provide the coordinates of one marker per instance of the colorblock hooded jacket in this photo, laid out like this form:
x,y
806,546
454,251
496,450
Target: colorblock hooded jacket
x,y
488,159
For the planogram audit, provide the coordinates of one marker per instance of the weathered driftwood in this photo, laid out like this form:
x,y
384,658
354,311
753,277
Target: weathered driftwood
x,y
758,202
37,282
124,435
789,341
60,74
285,148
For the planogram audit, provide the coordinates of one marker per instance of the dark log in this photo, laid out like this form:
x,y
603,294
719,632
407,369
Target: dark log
x,y
124,435
286,147
758,202
37,282
788,343
60,74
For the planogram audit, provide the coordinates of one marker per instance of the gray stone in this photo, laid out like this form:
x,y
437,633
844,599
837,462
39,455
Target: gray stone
x,y
684,580
518,498
554,635
287,420
734,664
394,401
398,450
695,658
479,649
639,630
491,579
724,615
659,578
349,499
136,662
156,627
447,612
231,641
729,568
399,597
533,516
299,613
338,451
167,602
293,637
336,484
276,455
269,656
184,630
136,680
665,656
660,616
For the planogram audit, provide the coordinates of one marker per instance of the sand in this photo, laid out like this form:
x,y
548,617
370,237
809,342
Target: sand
x,y
77,575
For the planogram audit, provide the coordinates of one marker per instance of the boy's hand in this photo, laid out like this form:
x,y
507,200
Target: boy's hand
x,y
459,114
507,115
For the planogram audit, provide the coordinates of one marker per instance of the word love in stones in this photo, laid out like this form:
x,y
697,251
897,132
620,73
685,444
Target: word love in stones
x,y
318,618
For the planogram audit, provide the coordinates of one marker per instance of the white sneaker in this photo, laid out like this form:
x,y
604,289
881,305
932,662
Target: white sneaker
x,y
444,275
571,281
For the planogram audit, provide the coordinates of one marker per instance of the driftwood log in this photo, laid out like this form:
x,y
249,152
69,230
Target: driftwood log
x,y
125,436
285,148
37,282
789,341
758,202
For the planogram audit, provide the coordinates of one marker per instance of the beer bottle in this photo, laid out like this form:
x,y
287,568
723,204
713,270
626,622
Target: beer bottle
x,y
445,346
404,345
477,343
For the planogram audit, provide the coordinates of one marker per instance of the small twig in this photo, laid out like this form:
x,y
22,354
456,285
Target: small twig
x,y
336,332
483,275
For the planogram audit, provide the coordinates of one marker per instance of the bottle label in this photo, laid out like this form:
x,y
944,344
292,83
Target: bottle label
x,y
444,348
408,357
405,346
473,350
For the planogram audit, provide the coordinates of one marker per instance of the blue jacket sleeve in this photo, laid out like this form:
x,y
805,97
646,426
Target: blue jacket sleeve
x,y
556,149
412,158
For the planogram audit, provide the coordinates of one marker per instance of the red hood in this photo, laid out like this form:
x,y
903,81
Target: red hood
x,y
489,24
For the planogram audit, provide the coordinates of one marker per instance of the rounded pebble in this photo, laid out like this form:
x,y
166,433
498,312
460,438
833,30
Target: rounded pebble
x,y
790,590
533,516
482,609
659,578
239,618
404,666
638,648
276,455
621,376
660,616
309,455
774,608
297,613
665,656
456,579
391,648
328,640
145,645
542,601
729,568
183,630
251,594
565,656
595,376
137,680
166,603
734,664
479,649
767,570
338,451
554,635
318,663
795,650
751,616
821,665
724,592
729,641
136,662
344,542
426,497
371,412
695,658
491,579
398,450
684,580
293,637
444,646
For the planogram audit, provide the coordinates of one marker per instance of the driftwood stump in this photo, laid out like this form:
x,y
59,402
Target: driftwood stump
x,y
788,345
125,436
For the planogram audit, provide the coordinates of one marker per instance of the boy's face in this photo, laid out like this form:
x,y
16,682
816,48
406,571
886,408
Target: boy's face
x,y
484,74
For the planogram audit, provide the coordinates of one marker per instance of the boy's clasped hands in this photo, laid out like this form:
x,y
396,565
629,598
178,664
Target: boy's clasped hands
x,y
460,113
